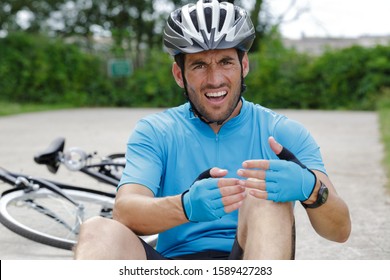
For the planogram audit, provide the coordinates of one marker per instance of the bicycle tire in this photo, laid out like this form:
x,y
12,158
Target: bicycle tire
x,y
115,171
28,213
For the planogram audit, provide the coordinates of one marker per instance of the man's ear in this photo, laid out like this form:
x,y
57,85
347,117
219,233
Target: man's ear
x,y
177,74
245,65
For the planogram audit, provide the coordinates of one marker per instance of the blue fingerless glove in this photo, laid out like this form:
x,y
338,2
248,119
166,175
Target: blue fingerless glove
x,y
288,179
203,201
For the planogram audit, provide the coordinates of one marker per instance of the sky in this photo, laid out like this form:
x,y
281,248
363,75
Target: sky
x,y
335,18
328,18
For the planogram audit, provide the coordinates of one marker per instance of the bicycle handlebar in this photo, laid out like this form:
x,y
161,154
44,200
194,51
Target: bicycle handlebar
x,y
28,182
7,177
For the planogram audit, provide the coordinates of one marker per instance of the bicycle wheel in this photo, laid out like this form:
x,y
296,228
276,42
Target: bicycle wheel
x,y
115,170
45,217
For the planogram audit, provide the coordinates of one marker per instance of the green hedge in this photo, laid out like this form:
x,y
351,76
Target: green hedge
x,y
351,78
35,69
153,85
278,77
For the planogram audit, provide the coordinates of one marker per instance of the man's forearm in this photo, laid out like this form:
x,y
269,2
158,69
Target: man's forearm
x,y
331,220
148,215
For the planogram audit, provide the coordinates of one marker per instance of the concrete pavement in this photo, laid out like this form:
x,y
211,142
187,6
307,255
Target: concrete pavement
x,y
349,143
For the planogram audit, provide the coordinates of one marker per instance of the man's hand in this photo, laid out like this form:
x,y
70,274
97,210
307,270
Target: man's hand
x,y
278,180
211,197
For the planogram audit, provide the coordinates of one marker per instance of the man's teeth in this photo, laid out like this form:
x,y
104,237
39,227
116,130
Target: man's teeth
x,y
216,94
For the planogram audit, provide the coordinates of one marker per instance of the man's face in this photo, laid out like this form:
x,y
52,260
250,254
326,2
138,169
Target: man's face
x,y
213,82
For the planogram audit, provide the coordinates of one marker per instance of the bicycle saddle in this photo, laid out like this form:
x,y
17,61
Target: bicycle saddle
x,y
50,156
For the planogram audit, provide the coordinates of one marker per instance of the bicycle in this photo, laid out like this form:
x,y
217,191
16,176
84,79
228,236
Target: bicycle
x,y
107,169
51,212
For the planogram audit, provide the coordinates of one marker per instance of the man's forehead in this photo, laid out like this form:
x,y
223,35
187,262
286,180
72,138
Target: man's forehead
x,y
212,55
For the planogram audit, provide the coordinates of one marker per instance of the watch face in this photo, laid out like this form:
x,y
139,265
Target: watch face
x,y
324,194
321,198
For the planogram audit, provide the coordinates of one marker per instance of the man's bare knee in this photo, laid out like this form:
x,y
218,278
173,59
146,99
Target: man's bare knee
x,y
254,208
95,229
102,238
265,229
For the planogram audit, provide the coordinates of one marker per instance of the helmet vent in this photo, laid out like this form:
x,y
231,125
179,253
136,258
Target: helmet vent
x,y
209,16
194,20
175,27
222,17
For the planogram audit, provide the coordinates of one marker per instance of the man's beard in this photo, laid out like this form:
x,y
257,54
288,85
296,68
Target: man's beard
x,y
209,117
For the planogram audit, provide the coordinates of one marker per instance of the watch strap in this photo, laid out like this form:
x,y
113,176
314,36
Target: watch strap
x,y
322,196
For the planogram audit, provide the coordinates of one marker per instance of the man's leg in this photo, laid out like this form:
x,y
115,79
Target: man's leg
x,y
266,229
105,239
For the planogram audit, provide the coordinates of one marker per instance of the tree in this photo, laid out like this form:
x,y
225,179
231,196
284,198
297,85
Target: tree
x,y
260,27
134,25
38,11
130,22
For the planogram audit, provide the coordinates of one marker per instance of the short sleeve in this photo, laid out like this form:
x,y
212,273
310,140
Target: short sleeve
x,y
295,137
144,163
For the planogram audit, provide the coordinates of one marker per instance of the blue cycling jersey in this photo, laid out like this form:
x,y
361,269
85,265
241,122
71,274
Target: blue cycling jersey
x,y
167,151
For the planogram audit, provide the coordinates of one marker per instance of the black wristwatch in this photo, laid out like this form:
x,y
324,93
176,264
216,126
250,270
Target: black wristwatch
x,y
322,196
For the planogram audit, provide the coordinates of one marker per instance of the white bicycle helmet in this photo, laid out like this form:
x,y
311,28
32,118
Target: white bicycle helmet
x,y
208,25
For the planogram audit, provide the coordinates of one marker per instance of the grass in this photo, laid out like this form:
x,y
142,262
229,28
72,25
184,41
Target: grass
x,y
7,108
384,116
384,124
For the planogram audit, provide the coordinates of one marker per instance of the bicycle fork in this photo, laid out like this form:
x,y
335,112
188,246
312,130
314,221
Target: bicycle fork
x,y
34,184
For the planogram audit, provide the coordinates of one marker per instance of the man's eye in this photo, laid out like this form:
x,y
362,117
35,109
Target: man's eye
x,y
199,66
226,62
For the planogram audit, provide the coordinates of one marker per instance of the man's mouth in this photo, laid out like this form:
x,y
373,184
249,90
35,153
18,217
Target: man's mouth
x,y
216,96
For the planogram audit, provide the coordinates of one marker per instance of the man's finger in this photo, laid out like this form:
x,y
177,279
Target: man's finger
x,y
227,182
275,146
233,207
204,175
216,172
231,190
233,199
253,183
256,163
283,153
249,173
259,194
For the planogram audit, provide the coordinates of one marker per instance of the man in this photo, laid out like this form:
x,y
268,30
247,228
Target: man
x,y
261,162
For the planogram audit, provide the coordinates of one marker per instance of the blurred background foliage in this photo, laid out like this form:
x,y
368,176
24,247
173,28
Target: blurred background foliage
x,y
38,69
56,52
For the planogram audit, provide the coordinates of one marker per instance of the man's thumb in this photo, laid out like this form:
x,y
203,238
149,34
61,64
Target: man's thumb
x,y
283,153
275,146
214,172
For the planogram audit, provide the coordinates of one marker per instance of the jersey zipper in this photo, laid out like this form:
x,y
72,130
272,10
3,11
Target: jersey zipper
x,y
217,149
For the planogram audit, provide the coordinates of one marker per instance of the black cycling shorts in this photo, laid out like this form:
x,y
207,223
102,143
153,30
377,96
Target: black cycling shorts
x,y
235,254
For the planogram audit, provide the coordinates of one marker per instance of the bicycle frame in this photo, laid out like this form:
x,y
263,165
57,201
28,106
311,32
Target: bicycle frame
x,y
28,190
51,200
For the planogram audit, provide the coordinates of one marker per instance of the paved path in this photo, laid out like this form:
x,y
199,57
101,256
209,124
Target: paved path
x,y
349,142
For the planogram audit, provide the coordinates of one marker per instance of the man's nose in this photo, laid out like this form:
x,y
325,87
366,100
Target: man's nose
x,y
214,76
